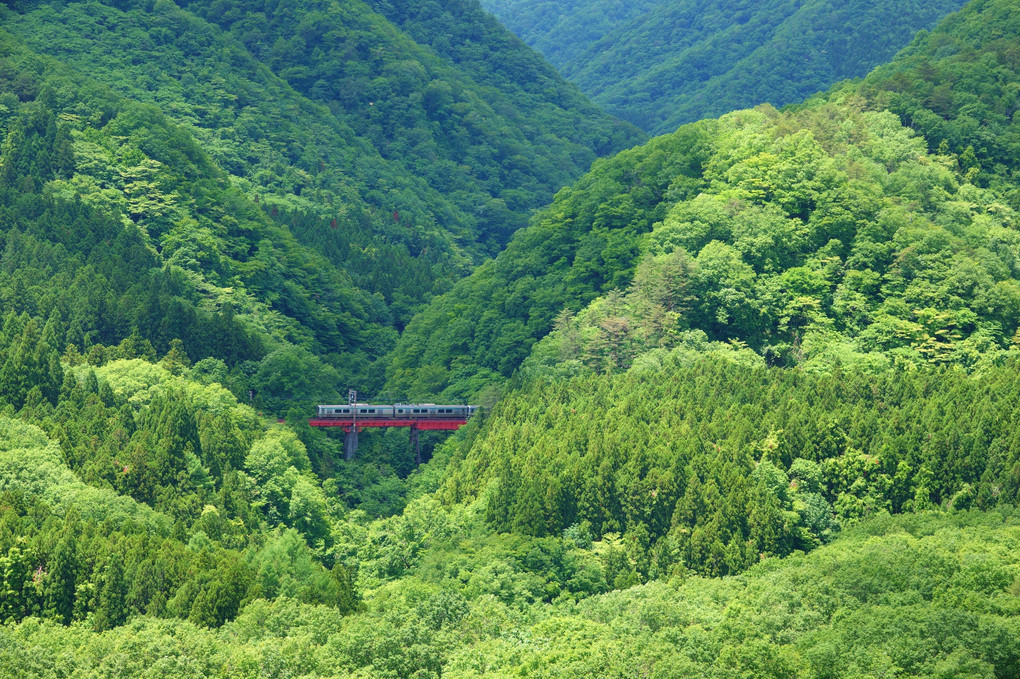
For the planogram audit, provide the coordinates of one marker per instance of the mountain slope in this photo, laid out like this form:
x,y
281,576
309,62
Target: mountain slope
x,y
682,61
118,221
957,85
826,235
502,127
562,30
363,235
710,460
808,224
380,168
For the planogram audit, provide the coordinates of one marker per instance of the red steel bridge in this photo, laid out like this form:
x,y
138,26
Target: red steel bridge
x,y
355,417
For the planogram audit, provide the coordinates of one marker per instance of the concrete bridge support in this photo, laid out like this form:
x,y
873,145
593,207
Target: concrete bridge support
x,y
416,446
350,443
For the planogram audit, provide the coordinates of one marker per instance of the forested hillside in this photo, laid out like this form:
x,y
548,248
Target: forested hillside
x,y
153,494
563,30
659,65
927,595
750,398
404,153
957,88
312,230
818,237
711,460
120,226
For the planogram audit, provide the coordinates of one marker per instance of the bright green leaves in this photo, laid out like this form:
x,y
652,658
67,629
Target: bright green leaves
x,y
825,235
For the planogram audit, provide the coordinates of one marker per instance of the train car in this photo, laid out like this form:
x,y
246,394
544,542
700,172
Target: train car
x,y
397,411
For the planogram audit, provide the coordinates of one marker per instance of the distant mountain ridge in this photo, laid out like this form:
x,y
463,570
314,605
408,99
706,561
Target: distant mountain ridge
x,y
660,65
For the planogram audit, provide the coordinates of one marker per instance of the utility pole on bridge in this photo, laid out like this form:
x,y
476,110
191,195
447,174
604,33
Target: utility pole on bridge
x,y
351,438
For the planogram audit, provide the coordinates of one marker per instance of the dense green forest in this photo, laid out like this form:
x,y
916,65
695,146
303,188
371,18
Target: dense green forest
x,y
257,195
408,165
823,236
119,226
718,461
749,390
921,595
659,65
830,232
563,30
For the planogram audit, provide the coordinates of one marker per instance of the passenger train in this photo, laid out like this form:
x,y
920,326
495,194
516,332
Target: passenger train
x,y
396,411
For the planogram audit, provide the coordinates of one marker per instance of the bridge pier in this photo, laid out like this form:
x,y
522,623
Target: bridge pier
x,y
416,446
350,443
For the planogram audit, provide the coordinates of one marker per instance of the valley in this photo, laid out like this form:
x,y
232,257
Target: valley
x,y
736,399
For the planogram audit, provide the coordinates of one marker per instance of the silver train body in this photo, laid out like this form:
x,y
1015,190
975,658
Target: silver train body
x,y
397,411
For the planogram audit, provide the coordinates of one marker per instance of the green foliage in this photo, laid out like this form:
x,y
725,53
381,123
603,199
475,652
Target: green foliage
x,y
137,434
769,388
790,255
585,243
124,221
334,109
660,65
710,464
816,237
957,87
562,31
930,595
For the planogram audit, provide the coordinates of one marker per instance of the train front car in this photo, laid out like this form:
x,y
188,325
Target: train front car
x,y
329,411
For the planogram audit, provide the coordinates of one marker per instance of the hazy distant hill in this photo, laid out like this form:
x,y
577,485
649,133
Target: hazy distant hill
x,y
562,30
660,65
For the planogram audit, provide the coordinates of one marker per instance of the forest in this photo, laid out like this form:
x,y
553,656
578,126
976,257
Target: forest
x,y
748,390
659,65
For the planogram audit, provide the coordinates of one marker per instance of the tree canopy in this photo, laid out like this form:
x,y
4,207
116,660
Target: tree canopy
x,y
660,65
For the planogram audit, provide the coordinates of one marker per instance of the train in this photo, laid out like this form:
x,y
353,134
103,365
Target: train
x,y
396,411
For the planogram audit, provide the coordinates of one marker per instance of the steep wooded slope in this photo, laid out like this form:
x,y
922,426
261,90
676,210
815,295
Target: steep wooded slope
x,y
827,232
957,85
565,29
156,494
118,222
485,123
446,174
824,235
710,459
318,223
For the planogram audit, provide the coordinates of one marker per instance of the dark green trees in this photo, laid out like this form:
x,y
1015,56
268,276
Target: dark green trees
x,y
721,464
660,65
